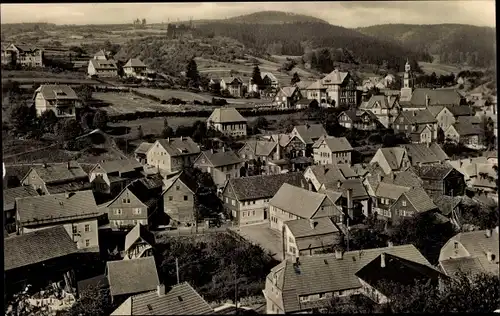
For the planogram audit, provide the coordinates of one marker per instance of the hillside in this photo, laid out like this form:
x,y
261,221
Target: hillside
x,y
453,43
274,17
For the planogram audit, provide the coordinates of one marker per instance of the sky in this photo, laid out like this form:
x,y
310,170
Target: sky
x,y
348,14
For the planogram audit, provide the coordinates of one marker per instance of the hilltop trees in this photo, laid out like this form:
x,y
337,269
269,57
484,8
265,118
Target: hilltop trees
x,y
295,78
192,74
256,76
101,120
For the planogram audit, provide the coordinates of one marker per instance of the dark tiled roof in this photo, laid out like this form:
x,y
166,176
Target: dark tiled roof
x,y
142,190
263,186
297,201
134,62
469,265
122,165
433,172
184,178
137,232
436,97
59,172
302,227
406,178
226,115
37,246
100,281
180,146
396,270
10,195
310,132
394,156
421,153
420,200
446,203
418,117
336,144
103,64
143,148
467,129
132,276
69,187
222,158
56,92
461,110
56,207
261,147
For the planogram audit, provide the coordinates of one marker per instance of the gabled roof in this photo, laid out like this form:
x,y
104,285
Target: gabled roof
x,y
332,172
474,120
288,91
10,195
37,246
469,265
461,110
53,208
100,53
103,64
184,178
317,85
420,200
302,227
263,186
297,201
395,270
356,185
391,191
59,172
435,109
324,273
382,101
139,231
134,62
335,144
269,75
56,92
230,80
178,146
261,147
436,97
335,77
226,115
310,132
421,153
132,276
418,117
407,178
143,148
465,129
221,158
433,172
394,156
181,299
121,165
447,203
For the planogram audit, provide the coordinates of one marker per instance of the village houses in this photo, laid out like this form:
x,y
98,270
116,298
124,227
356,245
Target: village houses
x,y
391,159
222,165
332,150
322,174
24,55
60,99
112,176
269,81
102,66
261,150
385,108
228,121
287,97
234,85
139,243
359,119
465,133
134,68
9,202
419,125
76,211
178,199
449,115
337,89
171,155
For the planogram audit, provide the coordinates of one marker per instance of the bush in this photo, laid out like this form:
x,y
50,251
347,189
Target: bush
x,y
219,102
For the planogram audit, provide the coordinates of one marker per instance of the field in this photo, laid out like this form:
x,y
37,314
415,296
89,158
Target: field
x,y
441,69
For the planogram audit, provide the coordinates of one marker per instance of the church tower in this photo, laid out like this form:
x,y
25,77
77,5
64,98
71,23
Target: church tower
x,y
408,83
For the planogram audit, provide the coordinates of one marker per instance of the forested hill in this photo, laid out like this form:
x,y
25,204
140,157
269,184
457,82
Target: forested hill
x,y
454,43
299,38
274,17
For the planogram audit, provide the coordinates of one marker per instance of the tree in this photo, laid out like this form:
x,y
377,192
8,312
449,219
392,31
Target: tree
x,y
21,118
167,130
192,73
488,128
87,120
48,121
295,78
84,92
261,122
143,22
101,119
69,129
480,216
140,133
93,301
256,76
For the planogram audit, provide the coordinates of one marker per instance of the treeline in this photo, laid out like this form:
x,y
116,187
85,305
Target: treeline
x,y
298,38
434,81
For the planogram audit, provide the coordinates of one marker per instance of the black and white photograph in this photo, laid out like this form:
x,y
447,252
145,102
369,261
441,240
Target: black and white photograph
x,y
245,158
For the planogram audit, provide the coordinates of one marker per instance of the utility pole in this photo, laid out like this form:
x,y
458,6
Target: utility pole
x,y
236,288
177,269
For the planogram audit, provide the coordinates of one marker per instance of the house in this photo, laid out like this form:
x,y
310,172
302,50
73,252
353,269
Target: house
x,y
424,154
305,237
449,115
385,107
222,165
452,207
391,159
308,134
321,174
260,149
139,243
337,89
76,211
101,55
269,81
422,98
180,299
410,122
291,202
304,103
171,155
287,97
136,203
479,175
380,281
332,150
9,202
140,153
228,121
471,252
464,133
24,55
130,277
60,99
441,180
102,68
27,256
383,195
134,68
178,198
309,283
350,196
247,199
410,203
359,119
57,178
234,85
110,177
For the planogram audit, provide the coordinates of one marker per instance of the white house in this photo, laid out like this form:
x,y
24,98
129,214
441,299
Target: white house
x,y
60,99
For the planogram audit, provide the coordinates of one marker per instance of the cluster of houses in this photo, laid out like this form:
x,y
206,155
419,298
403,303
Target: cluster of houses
x,y
21,54
104,66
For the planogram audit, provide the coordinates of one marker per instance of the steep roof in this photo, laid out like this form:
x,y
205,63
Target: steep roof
x,y
269,75
261,147
436,97
335,144
310,132
181,299
103,64
393,156
467,129
184,178
433,172
226,115
461,110
317,85
420,200
419,116
142,189
382,101
56,92
37,246
56,207
132,276
139,231
297,201
391,191
407,178
335,77
10,195
121,165
263,186
59,172
143,148
469,265
100,53
134,62
302,227
222,158
435,109
178,146
332,172
421,153
324,273
230,80
288,91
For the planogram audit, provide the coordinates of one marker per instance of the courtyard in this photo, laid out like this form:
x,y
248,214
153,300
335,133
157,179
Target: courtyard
x,y
264,236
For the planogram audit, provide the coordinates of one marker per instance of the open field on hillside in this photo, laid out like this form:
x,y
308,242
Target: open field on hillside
x,y
441,69
15,74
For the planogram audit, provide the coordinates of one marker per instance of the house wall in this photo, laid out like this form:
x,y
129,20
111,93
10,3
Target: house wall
x,y
426,137
310,176
134,71
64,111
274,297
121,212
253,211
452,134
452,250
233,129
35,182
278,216
178,203
380,159
157,156
445,119
373,293
402,208
323,155
220,174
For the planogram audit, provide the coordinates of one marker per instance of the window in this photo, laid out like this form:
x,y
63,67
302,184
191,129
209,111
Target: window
x,y
87,242
243,214
185,197
75,230
137,211
118,211
177,188
87,227
227,200
228,176
233,202
124,201
403,203
253,213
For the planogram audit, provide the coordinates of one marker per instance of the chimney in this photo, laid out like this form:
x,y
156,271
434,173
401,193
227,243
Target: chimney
x,y
350,207
427,99
414,113
168,139
212,150
379,177
488,233
182,138
69,165
297,262
311,188
312,223
45,165
390,244
461,163
160,288
382,260
338,254
339,184
491,256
